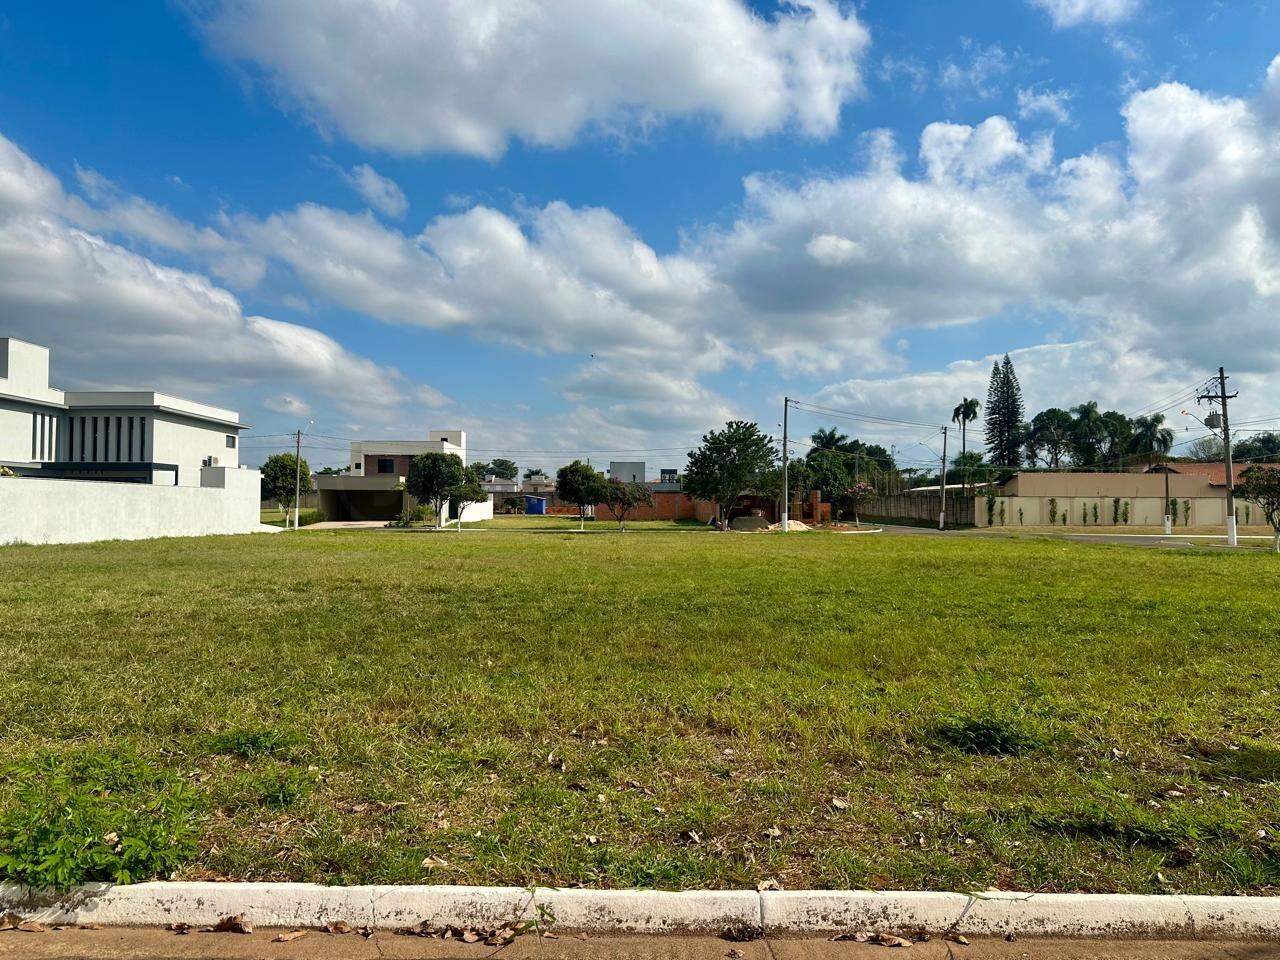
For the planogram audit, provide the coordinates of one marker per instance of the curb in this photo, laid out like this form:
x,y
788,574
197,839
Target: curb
x,y
795,912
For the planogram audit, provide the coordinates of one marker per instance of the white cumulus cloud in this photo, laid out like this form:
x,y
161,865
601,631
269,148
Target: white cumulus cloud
x,y
467,76
1072,13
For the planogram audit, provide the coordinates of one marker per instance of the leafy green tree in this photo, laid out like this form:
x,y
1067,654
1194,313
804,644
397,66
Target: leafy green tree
x,y
1261,485
1048,436
1261,446
829,472
622,499
1208,449
480,467
582,485
532,472
281,475
431,478
503,469
1004,415
728,464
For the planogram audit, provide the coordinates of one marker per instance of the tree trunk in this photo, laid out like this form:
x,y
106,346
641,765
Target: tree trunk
x,y
1275,545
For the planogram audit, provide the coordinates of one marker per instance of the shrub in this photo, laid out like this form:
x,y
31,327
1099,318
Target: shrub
x,y
987,736
6,472
1019,516
1002,514
991,508
1186,513
414,516
1095,513
1053,511
1124,512
1115,511
92,817
1084,515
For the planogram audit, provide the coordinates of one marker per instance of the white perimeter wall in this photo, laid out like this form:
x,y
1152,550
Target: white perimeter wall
x,y
475,512
36,510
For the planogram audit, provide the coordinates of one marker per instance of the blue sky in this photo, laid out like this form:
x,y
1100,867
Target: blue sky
x,y
598,230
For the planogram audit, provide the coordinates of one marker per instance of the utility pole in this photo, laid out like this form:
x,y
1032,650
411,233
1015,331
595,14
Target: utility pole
x,y
786,490
942,484
1222,397
297,475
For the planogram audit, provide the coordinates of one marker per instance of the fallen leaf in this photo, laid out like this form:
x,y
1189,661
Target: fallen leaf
x,y
9,921
691,836
31,926
889,940
957,938
769,884
337,927
839,804
431,863
855,936
288,937
237,924
366,932
773,833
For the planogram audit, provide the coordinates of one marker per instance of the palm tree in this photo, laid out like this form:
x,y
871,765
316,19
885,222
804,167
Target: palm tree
x,y
1151,436
1087,432
965,413
828,438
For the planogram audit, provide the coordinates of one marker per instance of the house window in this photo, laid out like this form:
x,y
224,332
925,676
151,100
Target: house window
x,y
386,465
231,441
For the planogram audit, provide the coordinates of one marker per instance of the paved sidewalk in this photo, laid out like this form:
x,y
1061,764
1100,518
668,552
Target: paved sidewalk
x,y
132,944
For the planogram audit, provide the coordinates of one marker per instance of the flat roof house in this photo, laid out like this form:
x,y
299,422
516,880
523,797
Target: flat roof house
x,y
371,488
135,436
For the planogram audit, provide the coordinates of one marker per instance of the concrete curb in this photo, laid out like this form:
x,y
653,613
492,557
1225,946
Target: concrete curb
x,y
793,912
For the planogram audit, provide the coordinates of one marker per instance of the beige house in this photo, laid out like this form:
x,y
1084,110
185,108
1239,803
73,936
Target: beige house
x,y
1036,498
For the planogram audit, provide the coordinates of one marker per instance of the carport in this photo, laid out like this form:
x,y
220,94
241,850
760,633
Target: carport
x,y
345,498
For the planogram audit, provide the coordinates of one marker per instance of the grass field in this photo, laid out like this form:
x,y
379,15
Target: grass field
x,y
671,710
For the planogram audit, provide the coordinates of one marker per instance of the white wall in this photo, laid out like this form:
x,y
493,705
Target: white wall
x,y
80,511
15,433
187,443
475,512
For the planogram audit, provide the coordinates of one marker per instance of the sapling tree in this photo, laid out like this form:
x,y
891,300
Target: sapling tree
x,y
582,485
467,491
1095,513
1053,511
1261,485
1186,513
283,475
1019,516
431,478
622,499
1115,511
858,494
1002,513
1084,515
1124,513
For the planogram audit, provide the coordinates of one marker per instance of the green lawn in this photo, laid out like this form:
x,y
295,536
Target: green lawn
x,y
604,524
661,709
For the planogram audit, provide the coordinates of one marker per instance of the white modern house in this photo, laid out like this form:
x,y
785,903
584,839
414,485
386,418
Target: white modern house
x,y
372,486
93,465
134,436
